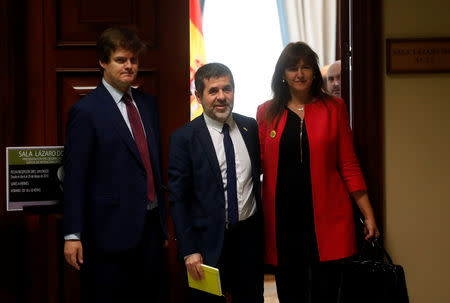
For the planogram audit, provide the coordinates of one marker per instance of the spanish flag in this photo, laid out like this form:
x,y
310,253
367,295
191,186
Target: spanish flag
x,y
197,49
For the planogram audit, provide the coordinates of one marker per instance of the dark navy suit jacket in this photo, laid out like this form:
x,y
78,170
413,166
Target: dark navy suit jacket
x,y
197,196
105,184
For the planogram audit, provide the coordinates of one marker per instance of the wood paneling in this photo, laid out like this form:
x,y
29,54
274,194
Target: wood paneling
x,y
16,108
49,47
73,84
71,87
363,96
79,23
344,49
367,95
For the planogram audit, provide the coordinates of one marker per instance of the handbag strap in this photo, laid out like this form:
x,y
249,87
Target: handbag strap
x,y
374,243
373,248
378,244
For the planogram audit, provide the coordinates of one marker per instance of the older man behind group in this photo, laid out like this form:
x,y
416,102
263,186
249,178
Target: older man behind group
x,y
334,79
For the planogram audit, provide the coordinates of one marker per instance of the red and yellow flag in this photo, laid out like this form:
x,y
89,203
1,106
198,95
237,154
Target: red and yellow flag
x,y
197,49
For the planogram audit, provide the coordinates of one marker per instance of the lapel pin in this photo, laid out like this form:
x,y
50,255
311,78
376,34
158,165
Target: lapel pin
x,y
245,128
273,134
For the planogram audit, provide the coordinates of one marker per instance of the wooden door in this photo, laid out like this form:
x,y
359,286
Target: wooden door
x,y
361,86
49,50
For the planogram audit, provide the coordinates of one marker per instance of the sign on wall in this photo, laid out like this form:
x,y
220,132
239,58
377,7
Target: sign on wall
x,y
430,55
34,176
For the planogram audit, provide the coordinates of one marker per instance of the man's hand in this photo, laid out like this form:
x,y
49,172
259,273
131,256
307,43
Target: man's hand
x,y
193,266
73,252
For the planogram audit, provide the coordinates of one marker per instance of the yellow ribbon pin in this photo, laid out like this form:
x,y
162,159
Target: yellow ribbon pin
x,y
273,134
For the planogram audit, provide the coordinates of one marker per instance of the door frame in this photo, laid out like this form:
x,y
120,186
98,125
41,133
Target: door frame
x,y
361,48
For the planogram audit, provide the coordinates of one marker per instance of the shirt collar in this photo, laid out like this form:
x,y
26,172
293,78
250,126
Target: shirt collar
x,y
114,92
217,125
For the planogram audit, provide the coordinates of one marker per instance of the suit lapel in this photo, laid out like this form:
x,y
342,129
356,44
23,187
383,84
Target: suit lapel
x,y
116,117
248,133
202,133
249,141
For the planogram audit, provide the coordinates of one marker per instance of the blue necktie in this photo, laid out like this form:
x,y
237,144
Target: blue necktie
x,y
233,213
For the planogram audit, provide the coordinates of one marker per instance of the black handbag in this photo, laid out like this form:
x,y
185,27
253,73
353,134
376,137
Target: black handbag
x,y
371,277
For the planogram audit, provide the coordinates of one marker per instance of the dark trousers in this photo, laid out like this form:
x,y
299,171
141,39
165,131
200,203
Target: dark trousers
x,y
313,282
129,275
240,265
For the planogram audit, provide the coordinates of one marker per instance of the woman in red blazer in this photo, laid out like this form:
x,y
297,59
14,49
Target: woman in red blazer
x,y
309,168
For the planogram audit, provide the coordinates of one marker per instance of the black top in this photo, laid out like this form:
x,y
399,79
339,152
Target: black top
x,y
293,199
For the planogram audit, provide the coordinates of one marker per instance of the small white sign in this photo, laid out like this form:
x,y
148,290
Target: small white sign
x,y
34,176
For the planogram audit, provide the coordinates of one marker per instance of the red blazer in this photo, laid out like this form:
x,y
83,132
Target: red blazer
x,y
335,172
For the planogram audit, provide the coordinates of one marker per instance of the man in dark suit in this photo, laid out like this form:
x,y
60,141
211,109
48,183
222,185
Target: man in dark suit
x,y
114,212
214,181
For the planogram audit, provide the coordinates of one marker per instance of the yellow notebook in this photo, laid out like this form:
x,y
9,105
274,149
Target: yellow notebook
x,y
211,282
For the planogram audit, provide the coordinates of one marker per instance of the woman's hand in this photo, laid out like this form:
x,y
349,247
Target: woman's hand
x,y
371,229
370,226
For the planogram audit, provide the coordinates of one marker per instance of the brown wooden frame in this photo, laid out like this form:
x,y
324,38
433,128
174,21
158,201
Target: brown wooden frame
x,y
364,96
367,96
12,230
32,260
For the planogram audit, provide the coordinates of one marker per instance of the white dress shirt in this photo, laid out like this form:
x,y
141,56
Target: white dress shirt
x,y
117,96
244,180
